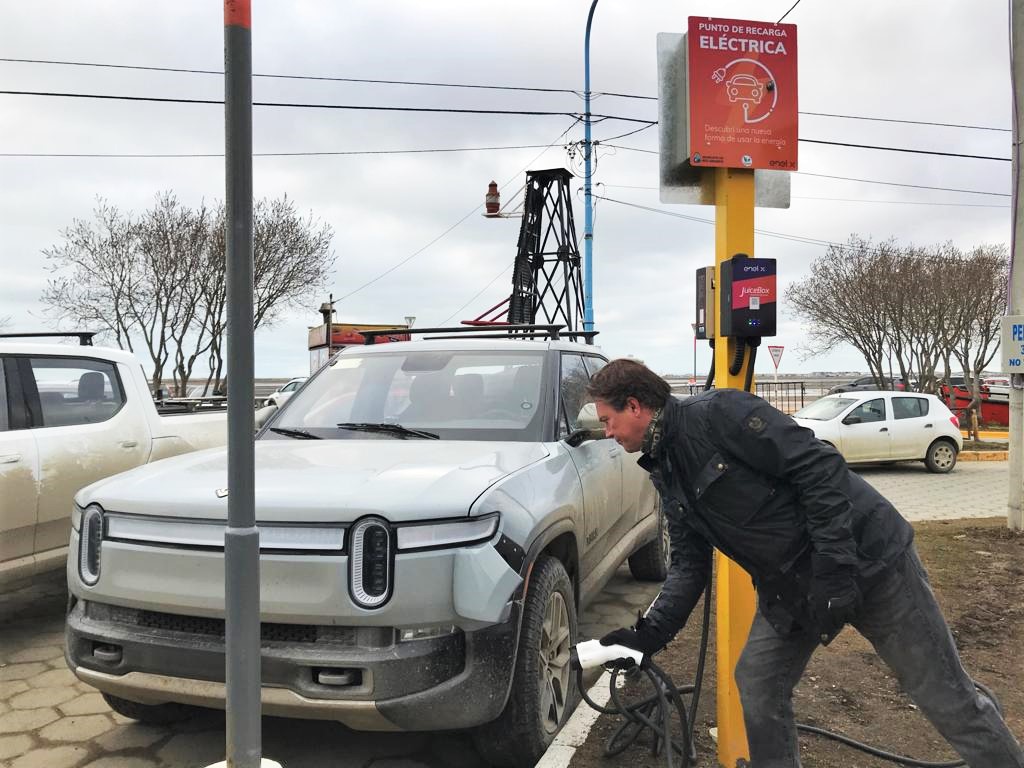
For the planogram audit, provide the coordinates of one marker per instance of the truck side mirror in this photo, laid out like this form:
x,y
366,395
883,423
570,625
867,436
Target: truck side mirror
x,y
588,426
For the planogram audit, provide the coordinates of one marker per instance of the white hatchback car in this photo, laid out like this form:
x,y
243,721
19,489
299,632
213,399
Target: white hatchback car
x,y
886,426
282,393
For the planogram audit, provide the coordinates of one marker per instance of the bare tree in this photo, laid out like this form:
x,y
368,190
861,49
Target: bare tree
x,y
841,302
157,280
291,263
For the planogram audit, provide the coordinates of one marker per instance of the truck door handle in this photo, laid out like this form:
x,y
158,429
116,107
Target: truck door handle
x,y
129,443
927,426
884,429
11,458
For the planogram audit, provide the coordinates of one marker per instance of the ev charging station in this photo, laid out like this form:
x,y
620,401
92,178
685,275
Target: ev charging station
x,y
727,106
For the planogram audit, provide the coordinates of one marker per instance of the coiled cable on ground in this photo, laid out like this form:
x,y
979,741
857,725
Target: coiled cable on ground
x,y
654,713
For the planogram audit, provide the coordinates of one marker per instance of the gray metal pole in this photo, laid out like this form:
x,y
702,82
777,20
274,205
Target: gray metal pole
x,y
242,539
1015,510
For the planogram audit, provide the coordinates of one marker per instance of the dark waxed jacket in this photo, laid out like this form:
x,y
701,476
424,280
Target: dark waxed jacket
x,y
738,475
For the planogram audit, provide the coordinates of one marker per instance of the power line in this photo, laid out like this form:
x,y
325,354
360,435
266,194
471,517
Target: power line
x,y
898,184
183,70
476,296
780,235
469,85
855,146
272,154
909,122
847,199
788,12
906,149
453,226
898,202
292,105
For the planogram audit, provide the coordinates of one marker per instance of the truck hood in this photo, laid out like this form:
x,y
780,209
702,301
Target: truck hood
x,y
322,480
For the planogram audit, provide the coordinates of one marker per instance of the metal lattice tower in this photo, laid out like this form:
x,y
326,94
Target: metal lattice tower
x,y
546,282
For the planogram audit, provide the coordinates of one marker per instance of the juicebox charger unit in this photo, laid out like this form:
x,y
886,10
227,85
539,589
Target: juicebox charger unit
x,y
704,325
748,296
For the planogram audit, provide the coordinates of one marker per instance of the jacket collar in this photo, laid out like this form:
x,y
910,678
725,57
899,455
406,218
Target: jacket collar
x,y
652,437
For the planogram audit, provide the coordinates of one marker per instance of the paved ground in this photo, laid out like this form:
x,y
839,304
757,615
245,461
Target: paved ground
x,y
50,720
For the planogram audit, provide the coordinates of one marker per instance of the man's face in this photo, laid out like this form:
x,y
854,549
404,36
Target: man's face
x,y
626,426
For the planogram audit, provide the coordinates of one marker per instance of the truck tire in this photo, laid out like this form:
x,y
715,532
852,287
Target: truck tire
x,y
941,456
543,691
651,561
152,714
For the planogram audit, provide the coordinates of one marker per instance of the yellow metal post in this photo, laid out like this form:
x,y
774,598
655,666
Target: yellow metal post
x,y
734,233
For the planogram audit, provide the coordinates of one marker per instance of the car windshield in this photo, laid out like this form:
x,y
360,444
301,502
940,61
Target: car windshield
x,y
824,409
457,395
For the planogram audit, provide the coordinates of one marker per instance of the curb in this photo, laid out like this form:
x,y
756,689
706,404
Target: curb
x,y
983,456
574,733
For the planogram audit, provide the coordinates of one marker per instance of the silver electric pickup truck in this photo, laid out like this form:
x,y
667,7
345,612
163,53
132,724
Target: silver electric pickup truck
x,y
432,516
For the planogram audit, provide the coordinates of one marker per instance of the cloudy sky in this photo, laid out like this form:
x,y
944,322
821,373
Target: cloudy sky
x,y
934,61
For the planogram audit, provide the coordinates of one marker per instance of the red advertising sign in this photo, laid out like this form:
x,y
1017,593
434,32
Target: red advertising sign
x,y
742,94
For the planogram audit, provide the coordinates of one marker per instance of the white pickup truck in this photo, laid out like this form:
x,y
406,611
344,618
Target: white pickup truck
x,y
70,416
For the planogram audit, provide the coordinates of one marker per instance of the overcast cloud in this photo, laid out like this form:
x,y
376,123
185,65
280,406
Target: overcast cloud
x,y
933,61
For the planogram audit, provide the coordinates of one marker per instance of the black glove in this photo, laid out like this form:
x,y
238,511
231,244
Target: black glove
x,y
835,598
640,637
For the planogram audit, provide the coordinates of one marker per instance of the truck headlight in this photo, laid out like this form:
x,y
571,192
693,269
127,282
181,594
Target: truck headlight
x,y
446,534
90,543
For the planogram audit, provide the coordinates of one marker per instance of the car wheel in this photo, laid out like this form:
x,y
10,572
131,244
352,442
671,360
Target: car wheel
x,y
941,456
543,691
153,714
651,561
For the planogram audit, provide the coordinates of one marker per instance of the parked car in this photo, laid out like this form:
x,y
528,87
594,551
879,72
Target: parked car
x,y
281,394
432,514
70,416
886,426
866,383
998,387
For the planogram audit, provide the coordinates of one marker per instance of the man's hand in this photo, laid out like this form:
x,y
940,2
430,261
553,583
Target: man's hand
x,y
835,599
640,637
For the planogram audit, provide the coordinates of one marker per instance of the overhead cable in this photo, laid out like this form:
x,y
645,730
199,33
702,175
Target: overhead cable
x,y
456,224
294,105
468,85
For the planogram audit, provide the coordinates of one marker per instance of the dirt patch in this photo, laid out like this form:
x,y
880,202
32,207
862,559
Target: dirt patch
x,y
976,568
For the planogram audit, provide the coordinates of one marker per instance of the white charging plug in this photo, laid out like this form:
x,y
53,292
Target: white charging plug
x,y
591,653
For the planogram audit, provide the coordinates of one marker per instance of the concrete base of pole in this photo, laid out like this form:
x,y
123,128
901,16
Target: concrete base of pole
x,y
263,764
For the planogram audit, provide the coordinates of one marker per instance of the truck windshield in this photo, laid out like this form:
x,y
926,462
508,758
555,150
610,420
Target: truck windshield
x,y
457,395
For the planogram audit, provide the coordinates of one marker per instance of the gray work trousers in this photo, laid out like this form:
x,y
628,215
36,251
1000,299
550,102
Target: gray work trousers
x,y
903,622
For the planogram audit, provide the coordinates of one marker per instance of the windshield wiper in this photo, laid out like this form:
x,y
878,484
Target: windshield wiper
x,y
299,434
396,429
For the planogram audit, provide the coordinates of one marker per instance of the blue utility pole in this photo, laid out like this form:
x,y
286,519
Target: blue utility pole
x,y
588,204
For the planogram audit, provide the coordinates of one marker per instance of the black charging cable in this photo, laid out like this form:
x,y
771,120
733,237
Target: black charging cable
x,y
654,713
752,345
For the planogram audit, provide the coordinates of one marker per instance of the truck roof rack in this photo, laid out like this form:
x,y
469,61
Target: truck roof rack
x,y
84,337
553,332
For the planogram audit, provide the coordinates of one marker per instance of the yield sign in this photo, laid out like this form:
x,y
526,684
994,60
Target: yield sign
x,y
776,353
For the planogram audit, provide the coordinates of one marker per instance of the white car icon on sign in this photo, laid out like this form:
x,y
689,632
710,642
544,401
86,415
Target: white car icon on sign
x,y
744,88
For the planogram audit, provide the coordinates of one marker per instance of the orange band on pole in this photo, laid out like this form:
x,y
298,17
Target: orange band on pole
x,y
238,13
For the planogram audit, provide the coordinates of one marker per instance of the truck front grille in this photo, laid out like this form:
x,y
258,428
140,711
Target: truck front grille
x,y
367,637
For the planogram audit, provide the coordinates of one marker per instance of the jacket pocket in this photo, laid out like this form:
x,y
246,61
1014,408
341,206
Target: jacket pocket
x,y
730,489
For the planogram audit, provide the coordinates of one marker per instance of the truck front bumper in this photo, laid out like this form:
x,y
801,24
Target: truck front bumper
x,y
362,677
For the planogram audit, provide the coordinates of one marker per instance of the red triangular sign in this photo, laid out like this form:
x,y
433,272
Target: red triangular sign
x,y
776,353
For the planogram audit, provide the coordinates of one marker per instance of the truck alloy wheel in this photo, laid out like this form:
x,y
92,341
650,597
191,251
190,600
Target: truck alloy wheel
x,y
543,691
